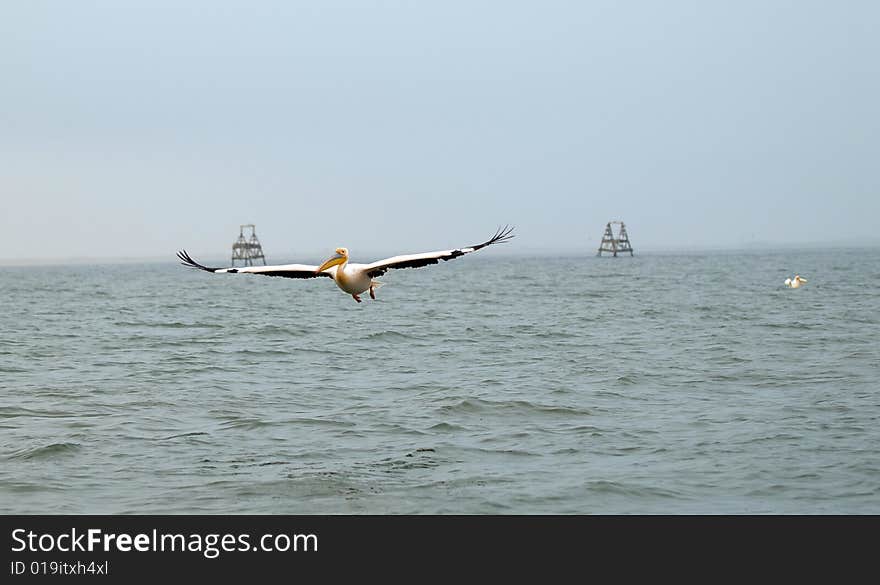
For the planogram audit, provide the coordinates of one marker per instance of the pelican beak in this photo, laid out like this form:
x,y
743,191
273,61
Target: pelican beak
x,y
332,261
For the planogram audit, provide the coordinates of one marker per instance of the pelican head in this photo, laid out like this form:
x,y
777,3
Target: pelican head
x,y
341,257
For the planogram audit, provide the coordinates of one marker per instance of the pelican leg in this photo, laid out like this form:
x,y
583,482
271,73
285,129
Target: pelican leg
x,y
355,297
372,293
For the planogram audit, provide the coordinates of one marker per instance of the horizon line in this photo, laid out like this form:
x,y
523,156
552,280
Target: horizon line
x,y
750,247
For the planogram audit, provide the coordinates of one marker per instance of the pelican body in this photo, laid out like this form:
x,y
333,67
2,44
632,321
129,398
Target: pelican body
x,y
351,278
795,282
354,279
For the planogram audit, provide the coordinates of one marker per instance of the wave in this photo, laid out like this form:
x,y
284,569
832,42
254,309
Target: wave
x,y
15,411
181,435
391,335
445,426
46,451
476,405
168,325
246,423
629,489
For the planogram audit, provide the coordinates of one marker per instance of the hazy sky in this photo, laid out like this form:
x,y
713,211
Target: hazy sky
x,y
137,128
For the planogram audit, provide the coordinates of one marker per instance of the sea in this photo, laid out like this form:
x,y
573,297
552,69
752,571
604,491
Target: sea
x,y
663,383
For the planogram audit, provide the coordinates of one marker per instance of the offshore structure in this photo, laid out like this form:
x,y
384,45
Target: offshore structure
x,y
615,244
247,249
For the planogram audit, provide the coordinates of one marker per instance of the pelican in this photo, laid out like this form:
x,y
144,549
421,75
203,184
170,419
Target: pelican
x,y
795,282
354,279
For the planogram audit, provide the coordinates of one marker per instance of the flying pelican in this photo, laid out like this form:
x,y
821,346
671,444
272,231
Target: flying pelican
x,y
354,279
795,282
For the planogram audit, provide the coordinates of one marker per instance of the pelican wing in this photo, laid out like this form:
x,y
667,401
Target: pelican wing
x,y
425,258
284,270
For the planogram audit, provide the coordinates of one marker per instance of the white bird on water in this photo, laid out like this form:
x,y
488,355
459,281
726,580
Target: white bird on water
x,y
795,282
354,279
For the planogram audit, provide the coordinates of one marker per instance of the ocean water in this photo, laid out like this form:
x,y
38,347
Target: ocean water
x,y
662,383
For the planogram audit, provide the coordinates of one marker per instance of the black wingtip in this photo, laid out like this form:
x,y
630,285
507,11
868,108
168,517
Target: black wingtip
x,y
502,235
187,261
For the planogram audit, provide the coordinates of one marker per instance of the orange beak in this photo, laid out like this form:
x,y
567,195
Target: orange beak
x,y
332,261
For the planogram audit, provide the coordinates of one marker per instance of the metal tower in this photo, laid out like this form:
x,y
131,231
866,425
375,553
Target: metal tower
x,y
249,249
615,244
